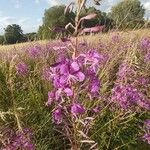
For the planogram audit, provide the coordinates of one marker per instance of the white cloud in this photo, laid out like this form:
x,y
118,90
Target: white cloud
x,y
147,6
8,20
49,2
53,2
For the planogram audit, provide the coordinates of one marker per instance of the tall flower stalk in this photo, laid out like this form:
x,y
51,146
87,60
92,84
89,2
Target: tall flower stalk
x,y
79,6
74,77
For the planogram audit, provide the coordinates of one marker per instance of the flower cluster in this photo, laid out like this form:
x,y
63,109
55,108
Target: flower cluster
x,y
146,136
34,51
125,92
18,140
70,79
21,68
125,71
147,57
142,81
145,44
127,96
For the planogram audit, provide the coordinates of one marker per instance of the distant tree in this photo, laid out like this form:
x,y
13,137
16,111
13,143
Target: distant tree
x,y
30,36
54,17
126,12
13,34
1,39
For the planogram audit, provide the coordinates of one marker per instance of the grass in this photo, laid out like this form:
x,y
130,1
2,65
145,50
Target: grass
x,y
25,97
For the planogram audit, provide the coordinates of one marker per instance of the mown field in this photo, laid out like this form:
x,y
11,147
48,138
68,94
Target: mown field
x,y
101,102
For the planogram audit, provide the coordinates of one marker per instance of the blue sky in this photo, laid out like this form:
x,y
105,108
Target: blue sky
x,y
29,13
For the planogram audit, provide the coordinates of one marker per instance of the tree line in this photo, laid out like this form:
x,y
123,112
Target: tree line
x,y
14,34
127,14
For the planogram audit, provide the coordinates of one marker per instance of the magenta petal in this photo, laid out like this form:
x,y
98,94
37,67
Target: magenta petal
x,y
77,109
80,76
75,66
63,79
51,96
68,91
58,94
63,69
57,115
21,68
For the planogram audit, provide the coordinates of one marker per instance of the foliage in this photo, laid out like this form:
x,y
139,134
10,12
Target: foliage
x,y
54,17
128,14
1,39
13,34
30,36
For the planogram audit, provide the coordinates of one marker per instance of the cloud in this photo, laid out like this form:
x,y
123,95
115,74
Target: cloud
x,y
8,20
107,4
53,2
147,6
49,2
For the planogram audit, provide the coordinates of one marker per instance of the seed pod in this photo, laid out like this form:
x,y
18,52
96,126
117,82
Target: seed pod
x,y
89,17
68,9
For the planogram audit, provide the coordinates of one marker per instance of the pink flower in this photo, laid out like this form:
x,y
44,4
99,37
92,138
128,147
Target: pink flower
x,y
77,109
34,51
21,68
57,115
146,137
51,96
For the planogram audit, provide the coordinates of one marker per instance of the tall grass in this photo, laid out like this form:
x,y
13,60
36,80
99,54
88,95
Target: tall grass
x,y
23,97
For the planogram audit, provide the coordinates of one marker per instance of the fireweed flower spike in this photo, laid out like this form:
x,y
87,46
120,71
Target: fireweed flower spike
x,y
71,78
92,59
126,96
146,136
21,68
67,75
34,51
145,44
18,140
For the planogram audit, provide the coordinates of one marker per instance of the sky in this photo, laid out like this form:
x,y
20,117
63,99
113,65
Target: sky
x,y
28,13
